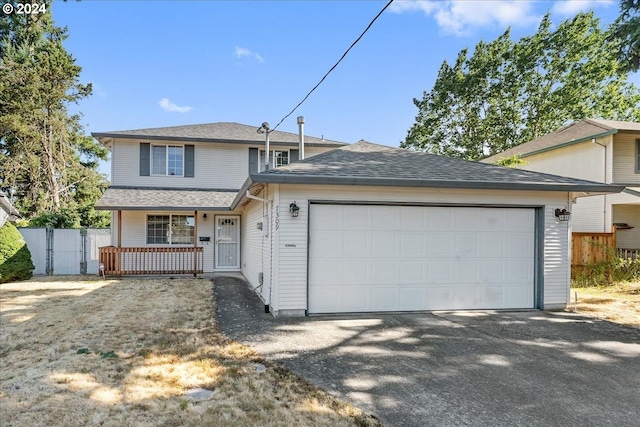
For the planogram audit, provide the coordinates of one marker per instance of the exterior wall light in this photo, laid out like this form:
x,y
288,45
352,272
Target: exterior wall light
x,y
562,214
204,217
294,209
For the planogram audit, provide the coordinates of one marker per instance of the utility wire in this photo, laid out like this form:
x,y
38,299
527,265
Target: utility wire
x,y
335,65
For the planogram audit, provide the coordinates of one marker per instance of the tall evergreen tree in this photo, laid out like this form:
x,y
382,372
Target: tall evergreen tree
x,y
46,160
626,30
507,93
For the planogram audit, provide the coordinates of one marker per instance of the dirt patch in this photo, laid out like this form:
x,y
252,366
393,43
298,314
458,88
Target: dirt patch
x,y
618,303
79,352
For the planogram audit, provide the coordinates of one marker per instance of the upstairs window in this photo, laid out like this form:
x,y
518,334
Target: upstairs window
x,y
167,160
276,159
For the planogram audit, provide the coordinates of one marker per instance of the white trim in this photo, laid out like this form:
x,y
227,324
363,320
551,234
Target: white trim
x,y
272,157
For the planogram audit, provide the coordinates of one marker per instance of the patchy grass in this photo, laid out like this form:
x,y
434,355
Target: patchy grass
x,y
618,303
78,351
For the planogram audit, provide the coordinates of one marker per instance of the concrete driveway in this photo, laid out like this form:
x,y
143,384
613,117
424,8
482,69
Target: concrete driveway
x,y
473,368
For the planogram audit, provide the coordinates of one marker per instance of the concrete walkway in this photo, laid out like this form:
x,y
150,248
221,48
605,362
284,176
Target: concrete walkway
x,y
450,369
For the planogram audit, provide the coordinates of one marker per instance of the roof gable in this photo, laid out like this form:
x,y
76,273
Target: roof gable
x,y
574,133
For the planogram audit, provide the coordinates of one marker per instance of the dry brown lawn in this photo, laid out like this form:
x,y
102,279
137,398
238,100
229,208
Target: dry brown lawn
x,y
90,352
618,303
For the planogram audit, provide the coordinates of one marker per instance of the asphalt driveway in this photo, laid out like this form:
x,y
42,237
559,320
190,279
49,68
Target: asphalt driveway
x,y
473,368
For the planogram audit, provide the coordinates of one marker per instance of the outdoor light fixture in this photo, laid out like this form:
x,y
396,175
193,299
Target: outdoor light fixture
x,y
562,214
204,217
294,209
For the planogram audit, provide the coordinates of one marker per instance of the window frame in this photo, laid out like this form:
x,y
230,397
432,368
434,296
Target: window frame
x,y
170,233
167,149
272,158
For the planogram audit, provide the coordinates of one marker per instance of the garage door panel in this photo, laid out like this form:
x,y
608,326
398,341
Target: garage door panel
x,y
412,245
383,298
410,298
404,258
383,271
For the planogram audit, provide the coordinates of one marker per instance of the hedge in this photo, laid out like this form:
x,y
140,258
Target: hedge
x,y
15,258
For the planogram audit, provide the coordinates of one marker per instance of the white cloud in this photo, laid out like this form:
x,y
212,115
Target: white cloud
x,y
460,17
167,105
568,8
243,52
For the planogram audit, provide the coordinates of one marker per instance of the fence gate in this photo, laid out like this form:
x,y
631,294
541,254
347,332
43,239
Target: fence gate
x,y
65,251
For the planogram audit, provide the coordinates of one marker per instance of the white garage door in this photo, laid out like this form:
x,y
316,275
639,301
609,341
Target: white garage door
x,y
407,258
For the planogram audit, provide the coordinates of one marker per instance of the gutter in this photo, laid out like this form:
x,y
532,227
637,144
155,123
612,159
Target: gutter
x,y
572,142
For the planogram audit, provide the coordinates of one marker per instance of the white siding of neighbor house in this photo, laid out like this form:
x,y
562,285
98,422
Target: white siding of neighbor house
x,y
624,158
219,166
627,214
255,246
291,288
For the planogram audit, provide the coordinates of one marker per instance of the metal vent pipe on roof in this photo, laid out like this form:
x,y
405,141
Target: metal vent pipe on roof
x,y
301,136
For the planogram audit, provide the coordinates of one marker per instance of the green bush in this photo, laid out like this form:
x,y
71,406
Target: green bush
x,y
15,258
606,273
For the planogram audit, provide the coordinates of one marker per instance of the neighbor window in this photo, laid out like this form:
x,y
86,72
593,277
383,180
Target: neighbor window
x,y
170,229
167,160
637,155
277,158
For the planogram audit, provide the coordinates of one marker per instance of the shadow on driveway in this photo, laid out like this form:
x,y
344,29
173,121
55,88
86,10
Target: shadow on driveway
x,y
462,368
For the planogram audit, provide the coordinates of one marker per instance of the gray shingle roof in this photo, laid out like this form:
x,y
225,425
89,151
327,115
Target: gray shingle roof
x,y
575,132
130,198
365,163
215,132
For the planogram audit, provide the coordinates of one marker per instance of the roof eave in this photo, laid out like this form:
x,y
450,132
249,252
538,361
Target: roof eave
x,y
569,143
161,208
401,182
99,135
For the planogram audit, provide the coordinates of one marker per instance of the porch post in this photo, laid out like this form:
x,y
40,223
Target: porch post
x,y
119,254
195,243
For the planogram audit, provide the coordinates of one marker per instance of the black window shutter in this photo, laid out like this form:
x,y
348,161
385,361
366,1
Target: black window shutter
x,y
145,150
189,160
294,156
253,160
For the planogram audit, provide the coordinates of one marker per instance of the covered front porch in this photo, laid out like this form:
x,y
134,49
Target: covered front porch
x,y
160,231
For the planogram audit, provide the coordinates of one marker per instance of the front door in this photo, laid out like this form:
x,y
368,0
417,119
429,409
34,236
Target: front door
x,y
227,249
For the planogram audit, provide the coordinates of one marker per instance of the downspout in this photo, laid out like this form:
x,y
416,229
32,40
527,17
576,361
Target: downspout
x,y
604,181
269,209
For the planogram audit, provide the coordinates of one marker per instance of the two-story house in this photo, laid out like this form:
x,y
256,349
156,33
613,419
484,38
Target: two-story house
x,y
347,228
605,151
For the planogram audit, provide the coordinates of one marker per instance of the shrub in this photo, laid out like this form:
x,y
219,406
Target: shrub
x,y
15,258
606,273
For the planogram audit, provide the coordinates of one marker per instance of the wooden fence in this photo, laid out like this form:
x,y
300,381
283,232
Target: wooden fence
x,y
133,261
592,248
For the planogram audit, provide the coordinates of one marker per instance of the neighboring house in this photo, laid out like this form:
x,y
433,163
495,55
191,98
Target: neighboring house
x,y
604,151
7,211
353,228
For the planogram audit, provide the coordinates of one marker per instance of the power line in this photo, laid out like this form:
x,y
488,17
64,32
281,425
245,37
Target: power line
x,y
334,66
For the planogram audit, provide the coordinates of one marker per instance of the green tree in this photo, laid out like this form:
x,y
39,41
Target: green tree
x,y
626,30
510,162
45,157
15,257
507,93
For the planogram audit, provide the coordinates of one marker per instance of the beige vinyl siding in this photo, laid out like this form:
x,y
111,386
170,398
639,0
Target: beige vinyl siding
x,y
627,214
624,158
254,247
292,260
217,166
582,161
134,232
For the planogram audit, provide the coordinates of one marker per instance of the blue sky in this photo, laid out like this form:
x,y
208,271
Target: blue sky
x,y
167,63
